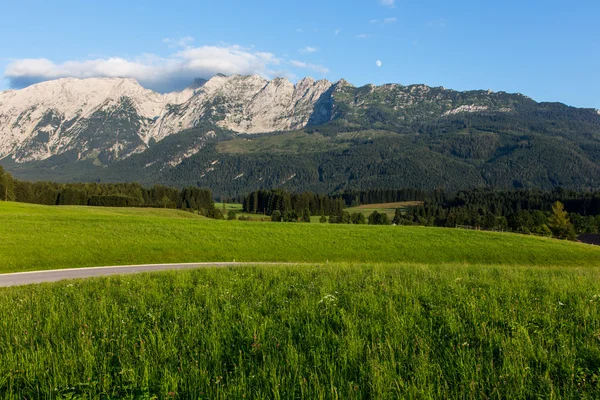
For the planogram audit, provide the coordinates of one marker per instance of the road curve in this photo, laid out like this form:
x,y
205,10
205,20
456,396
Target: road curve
x,y
27,278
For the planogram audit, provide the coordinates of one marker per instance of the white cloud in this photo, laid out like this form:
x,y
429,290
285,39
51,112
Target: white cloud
x,y
308,50
300,30
388,3
363,36
313,67
378,63
155,72
183,42
385,21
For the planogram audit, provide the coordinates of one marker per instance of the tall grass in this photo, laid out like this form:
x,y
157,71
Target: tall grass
x,y
39,237
340,331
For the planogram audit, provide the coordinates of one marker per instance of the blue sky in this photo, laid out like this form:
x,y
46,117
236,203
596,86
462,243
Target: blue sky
x,y
548,50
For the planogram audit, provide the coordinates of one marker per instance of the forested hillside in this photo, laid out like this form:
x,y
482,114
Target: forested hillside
x,y
367,138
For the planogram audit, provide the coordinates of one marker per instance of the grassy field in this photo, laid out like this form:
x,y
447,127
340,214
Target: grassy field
x,y
366,209
239,213
229,206
378,311
386,208
40,237
339,332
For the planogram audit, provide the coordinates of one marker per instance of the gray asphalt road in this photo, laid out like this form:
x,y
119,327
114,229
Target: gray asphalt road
x,y
27,278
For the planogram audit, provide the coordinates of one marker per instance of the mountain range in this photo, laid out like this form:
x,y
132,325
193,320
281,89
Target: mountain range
x,y
239,133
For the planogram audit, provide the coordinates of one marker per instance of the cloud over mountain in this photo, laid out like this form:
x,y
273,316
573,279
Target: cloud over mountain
x,y
162,74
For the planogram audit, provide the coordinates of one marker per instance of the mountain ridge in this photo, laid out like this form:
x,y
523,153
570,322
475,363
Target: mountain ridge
x,y
314,135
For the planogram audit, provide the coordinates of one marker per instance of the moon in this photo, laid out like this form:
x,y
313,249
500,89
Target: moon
x,y
378,63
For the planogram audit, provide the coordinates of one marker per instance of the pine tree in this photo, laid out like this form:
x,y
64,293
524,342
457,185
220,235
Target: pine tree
x,y
7,186
559,222
306,215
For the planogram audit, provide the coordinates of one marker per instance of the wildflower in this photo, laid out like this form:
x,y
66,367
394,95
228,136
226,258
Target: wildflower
x,y
329,298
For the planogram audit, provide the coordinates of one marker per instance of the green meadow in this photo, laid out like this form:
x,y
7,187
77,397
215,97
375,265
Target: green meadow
x,y
36,237
316,332
376,311
385,208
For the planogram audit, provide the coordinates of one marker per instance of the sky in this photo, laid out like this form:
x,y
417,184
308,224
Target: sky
x,y
548,50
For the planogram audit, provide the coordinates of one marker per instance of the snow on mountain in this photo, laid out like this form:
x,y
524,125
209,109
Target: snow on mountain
x,y
69,114
247,104
111,118
106,119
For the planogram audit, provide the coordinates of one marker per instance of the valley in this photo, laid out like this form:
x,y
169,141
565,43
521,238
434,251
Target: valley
x,y
280,200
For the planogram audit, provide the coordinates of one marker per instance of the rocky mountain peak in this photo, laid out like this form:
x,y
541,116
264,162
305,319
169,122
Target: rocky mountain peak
x,y
113,118
343,83
197,83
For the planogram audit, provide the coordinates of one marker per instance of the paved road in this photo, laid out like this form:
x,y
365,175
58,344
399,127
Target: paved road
x,y
27,278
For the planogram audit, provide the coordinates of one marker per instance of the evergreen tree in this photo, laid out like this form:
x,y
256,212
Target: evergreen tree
x,y
306,215
377,218
397,217
7,186
559,222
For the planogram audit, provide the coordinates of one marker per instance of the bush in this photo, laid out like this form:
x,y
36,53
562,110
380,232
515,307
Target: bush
x,y
377,218
276,216
113,201
213,213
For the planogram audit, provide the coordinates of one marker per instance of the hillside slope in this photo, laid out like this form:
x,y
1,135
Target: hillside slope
x,y
42,237
239,133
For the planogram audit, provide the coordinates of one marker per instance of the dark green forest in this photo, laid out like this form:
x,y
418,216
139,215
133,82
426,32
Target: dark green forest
x,y
523,211
529,211
107,195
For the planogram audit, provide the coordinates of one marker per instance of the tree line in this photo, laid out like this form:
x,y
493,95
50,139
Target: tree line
x,y
534,211
560,213
267,201
291,205
107,195
355,198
